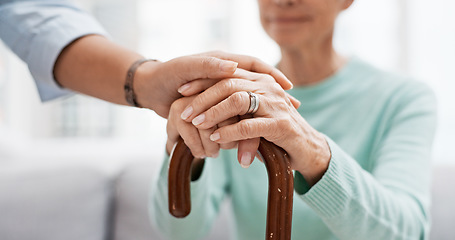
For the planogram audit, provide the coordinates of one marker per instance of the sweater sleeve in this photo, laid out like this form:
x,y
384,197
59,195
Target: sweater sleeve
x,y
392,200
207,193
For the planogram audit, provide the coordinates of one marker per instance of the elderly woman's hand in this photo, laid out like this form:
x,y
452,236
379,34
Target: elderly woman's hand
x,y
197,140
277,120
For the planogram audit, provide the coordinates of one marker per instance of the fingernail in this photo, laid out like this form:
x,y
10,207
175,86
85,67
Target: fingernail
x,y
214,137
185,114
184,88
229,66
199,119
245,161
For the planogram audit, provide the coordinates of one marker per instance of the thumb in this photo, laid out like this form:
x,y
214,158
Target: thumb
x,y
190,68
247,151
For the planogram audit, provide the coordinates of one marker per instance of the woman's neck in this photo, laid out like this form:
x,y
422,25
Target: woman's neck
x,y
309,65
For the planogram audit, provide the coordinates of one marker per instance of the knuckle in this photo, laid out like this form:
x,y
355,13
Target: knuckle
x,y
276,87
269,78
281,123
281,104
176,105
237,100
190,140
227,84
208,62
213,151
180,104
197,151
197,101
275,129
214,112
244,128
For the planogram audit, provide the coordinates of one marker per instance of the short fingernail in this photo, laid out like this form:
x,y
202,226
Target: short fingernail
x,y
185,114
245,161
199,119
228,66
214,137
184,88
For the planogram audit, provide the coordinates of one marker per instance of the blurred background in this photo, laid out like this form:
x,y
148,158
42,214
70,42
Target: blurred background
x,y
411,37
415,38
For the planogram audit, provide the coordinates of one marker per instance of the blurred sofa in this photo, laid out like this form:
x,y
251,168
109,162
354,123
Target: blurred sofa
x,y
75,202
55,201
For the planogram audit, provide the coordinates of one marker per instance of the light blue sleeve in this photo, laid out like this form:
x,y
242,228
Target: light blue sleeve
x,y
37,31
392,201
207,194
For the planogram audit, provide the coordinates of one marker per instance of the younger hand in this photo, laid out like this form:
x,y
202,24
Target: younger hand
x,y
157,85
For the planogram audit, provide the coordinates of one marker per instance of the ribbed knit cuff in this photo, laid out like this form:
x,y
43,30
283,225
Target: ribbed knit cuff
x,y
330,195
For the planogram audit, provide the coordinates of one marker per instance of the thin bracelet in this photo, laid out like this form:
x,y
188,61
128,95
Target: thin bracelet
x,y
130,96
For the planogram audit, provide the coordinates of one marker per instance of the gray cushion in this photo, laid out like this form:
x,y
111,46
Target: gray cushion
x,y
53,203
443,206
131,211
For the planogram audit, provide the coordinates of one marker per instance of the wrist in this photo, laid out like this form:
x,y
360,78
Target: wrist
x,y
136,80
150,88
319,163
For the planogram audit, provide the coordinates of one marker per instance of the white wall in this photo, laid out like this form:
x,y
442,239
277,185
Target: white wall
x,y
413,37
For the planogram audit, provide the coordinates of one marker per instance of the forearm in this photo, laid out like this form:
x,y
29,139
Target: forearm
x,y
95,66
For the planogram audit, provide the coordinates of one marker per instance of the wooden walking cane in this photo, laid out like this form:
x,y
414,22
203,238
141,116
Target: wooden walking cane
x,y
281,187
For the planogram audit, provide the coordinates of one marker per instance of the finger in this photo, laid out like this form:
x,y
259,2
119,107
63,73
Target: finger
x,y
252,76
211,148
230,121
246,129
236,104
200,85
214,95
192,139
194,67
172,136
196,86
247,150
255,65
173,122
296,103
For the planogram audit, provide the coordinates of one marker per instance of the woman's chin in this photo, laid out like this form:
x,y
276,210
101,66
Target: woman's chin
x,y
288,39
285,42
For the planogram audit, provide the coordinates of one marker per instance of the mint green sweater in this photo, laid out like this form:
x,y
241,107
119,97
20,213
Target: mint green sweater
x,y
380,130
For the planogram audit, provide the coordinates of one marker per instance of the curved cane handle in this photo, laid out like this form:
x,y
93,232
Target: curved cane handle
x,y
281,187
